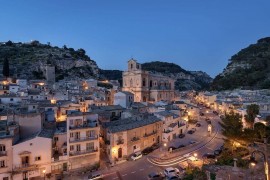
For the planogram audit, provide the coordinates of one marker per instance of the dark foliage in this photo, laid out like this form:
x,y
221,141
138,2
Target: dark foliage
x,y
255,73
6,67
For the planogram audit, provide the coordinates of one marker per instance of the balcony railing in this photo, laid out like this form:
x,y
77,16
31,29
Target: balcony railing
x,y
3,153
25,166
76,153
120,141
71,140
135,139
84,125
150,134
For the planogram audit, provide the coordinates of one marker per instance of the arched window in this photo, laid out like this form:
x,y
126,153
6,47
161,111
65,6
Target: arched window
x,y
143,82
151,84
131,66
131,83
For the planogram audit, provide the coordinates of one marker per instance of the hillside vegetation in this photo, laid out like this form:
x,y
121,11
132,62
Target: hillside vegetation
x,y
249,68
28,60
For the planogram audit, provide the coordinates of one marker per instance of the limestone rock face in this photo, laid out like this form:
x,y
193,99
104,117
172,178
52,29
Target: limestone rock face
x,y
29,60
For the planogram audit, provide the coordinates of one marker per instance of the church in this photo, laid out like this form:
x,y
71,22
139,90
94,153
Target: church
x,y
147,86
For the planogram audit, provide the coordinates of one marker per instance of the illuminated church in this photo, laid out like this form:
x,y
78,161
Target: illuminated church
x,y
147,86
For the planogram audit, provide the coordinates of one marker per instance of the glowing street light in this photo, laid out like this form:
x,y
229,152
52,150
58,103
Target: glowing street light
x,y
195,155
44,172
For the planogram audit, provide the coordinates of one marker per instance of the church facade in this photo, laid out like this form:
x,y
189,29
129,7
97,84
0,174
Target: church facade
x,y
147,86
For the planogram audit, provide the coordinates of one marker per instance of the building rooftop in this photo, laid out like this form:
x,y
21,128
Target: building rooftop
x,y
129,123
167,114
108,108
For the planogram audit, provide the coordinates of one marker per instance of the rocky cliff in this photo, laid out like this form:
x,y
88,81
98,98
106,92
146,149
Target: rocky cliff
x,y
28,60
248,69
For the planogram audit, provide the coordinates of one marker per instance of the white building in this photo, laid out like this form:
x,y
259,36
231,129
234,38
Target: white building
x,y
124,99
82,140
32,156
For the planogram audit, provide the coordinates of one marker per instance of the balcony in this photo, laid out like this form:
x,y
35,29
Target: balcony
x,y
76,153
120,141
3,153
25,167
134,139
60,157
86,124
80,139
149,134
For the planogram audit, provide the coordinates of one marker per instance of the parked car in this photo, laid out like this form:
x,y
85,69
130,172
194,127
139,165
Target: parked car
x,y
209,156
194,129
155,176
181,135
190,132
173,177
192,142
198,125
181,146
136,156
207,118
155,146
95,175
172,147
217,152
201,114
169,171
147,150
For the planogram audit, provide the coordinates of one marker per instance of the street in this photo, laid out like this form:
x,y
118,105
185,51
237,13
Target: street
x,y
153,163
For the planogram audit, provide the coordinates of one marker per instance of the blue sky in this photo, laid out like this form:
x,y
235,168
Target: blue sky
x,y
195,34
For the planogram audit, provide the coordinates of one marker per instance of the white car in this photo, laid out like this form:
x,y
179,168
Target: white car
x,y
95,176
171,171
136,156
173,176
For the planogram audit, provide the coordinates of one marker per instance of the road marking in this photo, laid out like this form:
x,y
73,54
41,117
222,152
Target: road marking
x,y
141,169
133,172
124,175
115,178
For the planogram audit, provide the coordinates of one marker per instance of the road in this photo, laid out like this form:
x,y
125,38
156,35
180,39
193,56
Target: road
x,y
133,170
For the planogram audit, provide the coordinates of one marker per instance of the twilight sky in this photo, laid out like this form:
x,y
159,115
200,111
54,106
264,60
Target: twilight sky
x,y
195,34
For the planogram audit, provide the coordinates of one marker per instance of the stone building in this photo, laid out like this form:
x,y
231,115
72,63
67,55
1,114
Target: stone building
x,y
50,74
147,86
126,136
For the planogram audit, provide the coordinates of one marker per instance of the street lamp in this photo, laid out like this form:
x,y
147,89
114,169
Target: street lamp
x,y
195,155
253,162
44,173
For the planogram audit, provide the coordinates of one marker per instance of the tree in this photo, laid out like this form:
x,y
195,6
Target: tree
x,y
232,125
6,67
260,130
9,43
252,112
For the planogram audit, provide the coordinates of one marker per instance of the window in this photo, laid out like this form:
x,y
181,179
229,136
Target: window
x,y
34,107
37,158
90,146
78,147
71,148
2,164
71,134
5,178
134,147
11,99
143,83
71,122
131,66
77,135
55,138
2,147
